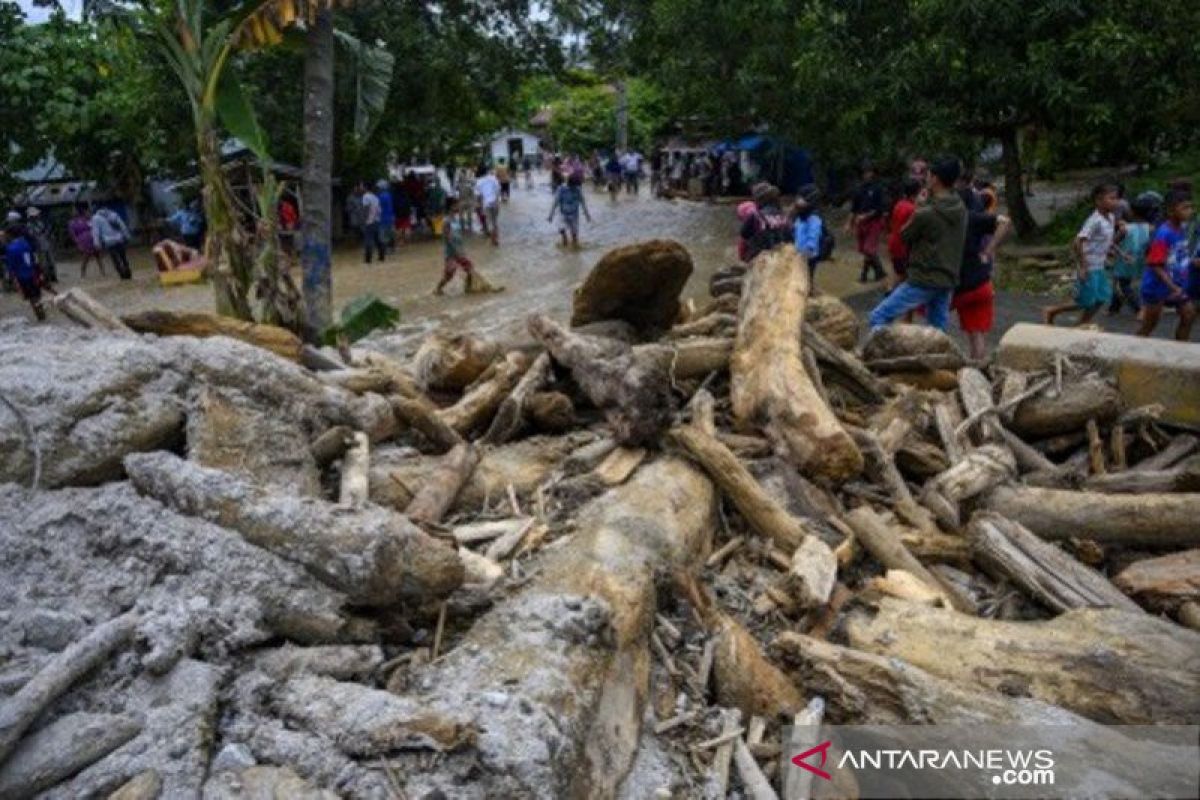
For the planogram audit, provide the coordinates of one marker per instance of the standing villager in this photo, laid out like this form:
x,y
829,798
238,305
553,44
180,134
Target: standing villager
x,y
372,240
975,297
505,178
22,267
935,236
110,232
768,226
43,243
387,215
80,228
809,231
902,212
866,222
569,201
487,195
464,186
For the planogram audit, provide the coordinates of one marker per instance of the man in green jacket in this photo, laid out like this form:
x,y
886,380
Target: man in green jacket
x,y
935,236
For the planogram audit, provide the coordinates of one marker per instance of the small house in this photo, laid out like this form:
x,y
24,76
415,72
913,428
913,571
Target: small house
x,y
513,146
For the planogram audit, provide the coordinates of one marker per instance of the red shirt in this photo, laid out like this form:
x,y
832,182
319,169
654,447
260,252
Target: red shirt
x,y
901,213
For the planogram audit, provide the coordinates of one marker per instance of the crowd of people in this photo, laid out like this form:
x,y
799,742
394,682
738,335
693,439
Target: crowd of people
x,y
29,265
1143,253
941,232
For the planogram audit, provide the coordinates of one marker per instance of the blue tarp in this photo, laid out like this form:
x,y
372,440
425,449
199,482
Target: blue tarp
x,y
795,170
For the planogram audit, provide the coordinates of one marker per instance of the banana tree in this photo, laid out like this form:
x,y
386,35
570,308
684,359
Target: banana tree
x,y
199,51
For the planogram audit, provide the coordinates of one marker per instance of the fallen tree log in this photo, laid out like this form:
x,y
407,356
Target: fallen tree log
x,y
632,387
1164,583
697,357
422,416
845,368
1148,520
511,415
524,464
769,387
872,532
745,679
437,494
373,555
976,393
1183,478
903,340
80,307
452,361
978,471
759,509
864,688
475,409
61,749
1046,573
1180,448
1111,666
18,712
1055,414
557,675
279,341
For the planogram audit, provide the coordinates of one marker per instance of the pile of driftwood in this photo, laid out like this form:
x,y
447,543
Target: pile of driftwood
x,y
613,560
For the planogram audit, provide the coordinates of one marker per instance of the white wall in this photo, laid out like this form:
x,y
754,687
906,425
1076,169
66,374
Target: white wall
x,y
499,144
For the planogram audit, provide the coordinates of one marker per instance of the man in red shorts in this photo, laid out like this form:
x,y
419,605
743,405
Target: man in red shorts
x,y
975,297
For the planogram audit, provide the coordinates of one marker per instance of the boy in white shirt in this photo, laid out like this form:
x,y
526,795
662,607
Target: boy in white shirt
x,y
487,191
1092,247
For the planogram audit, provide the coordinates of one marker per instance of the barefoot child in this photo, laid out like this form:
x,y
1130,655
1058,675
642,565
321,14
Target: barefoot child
x,y
1091,247
568,201
456,254
1169,266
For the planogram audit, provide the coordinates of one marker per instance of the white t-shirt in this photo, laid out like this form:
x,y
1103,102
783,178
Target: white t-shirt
x,y
371,212
487,189
1097,236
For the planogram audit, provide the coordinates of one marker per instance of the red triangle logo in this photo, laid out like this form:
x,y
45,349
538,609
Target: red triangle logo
x,y
823,749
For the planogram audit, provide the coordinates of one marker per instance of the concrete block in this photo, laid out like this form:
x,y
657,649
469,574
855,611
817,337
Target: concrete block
x,y
1147,370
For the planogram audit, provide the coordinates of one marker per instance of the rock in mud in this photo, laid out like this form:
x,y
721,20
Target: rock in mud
x,y
639,283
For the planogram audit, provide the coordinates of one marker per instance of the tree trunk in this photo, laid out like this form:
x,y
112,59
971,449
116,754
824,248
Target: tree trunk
x,y
1014,191
376,557
316,184
1145,520
1111,666
225,244
622,115
1047,573
769,387
1163,583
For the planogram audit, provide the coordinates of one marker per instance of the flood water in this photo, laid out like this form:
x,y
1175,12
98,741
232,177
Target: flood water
x,y
538,273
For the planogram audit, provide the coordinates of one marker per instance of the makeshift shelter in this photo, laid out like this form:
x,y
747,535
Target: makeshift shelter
x,y
513,145
771,158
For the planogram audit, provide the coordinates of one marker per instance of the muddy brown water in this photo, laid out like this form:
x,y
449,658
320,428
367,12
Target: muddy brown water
x,y
538,273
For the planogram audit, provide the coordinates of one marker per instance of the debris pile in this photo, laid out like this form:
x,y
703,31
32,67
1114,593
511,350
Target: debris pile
x,y
616,559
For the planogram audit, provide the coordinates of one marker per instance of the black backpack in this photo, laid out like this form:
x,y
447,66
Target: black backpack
x,y
774,229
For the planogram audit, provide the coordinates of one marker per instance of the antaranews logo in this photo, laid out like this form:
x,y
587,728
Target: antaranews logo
x,y
1010,767
823,749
